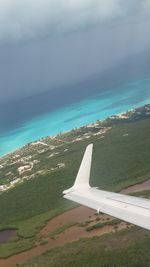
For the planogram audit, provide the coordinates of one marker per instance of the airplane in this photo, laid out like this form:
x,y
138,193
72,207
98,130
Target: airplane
x,y
134,210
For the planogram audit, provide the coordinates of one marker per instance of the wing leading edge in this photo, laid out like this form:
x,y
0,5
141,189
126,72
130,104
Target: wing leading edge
x,y
131,209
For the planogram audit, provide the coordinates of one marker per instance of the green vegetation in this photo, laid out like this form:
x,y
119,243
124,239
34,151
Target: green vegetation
x,y
128,248
121,158
15,246
145,194
84,224
120,161
6,227
27,231
31,226
102,224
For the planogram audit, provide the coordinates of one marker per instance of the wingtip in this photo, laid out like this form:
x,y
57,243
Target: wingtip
x,y
83,176
89,148
90,145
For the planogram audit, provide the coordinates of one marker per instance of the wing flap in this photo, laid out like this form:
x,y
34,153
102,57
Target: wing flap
x,y
85,201
126,211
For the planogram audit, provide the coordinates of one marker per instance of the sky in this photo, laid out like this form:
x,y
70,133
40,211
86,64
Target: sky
x,y
50,44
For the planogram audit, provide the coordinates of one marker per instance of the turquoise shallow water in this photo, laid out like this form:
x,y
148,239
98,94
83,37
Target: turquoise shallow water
x,y
128,96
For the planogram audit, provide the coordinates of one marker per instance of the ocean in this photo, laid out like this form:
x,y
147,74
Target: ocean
x,y
98,106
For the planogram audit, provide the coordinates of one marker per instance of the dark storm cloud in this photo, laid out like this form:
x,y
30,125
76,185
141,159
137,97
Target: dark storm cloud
x,y
48,44
31,19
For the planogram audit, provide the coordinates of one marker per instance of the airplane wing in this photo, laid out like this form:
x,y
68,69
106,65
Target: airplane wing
x,y
131,209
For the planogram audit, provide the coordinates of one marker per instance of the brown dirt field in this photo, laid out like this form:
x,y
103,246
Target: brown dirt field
x,y
137,188
74,233
79,215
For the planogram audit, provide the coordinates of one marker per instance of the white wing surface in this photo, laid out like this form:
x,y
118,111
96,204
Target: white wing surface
x,y
131,209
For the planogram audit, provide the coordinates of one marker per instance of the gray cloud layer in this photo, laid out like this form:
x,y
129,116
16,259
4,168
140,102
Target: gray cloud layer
x,y
32,19
31,63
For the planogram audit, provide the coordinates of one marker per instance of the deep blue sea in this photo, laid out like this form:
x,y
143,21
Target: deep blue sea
x,y
96,107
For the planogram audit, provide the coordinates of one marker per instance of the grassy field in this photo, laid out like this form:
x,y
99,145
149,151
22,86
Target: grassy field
x,y
102,224
128,248
120,159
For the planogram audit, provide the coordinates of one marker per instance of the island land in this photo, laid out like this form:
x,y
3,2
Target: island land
x,y
40,228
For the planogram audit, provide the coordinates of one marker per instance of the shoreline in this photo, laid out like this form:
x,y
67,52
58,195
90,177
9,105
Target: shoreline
x,y
54,160
120,115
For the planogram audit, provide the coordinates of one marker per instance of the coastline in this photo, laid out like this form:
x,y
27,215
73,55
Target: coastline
x,y
98,106
120,160
120,115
